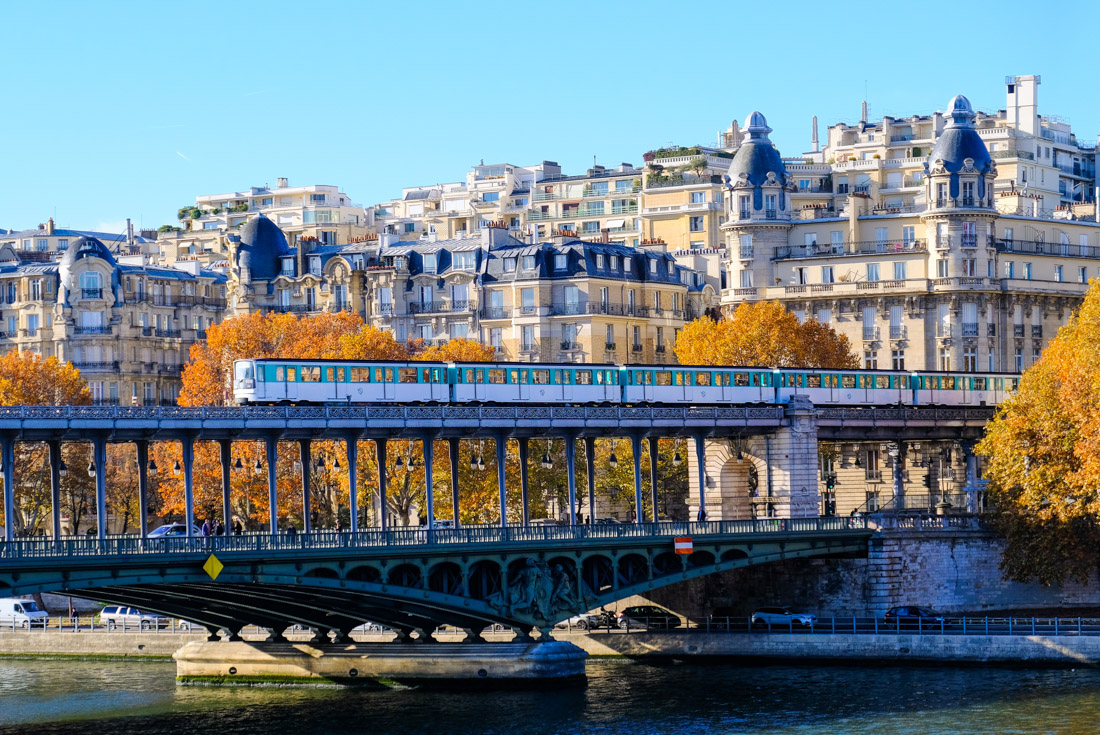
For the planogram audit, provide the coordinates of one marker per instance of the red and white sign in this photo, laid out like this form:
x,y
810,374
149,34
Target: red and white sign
x,y
682,544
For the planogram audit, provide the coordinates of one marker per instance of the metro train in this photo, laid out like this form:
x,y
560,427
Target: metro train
x,y
342,382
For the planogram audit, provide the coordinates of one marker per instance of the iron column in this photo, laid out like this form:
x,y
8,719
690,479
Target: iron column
x,y
636,451
429,456
226,446
653,475
272,446
7,459
188,487
143,484
523,478
452,448
55,490
353,482
383,509
501,444
590,462
303,458
700,459
570,466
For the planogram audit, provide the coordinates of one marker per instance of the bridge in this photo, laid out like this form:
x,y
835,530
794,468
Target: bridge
x,y
411,580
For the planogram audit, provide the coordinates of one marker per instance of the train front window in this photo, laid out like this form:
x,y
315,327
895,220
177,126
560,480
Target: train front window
x,y
244,371
813,380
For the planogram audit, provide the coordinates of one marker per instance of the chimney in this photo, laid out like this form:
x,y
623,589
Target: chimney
x,y
129,232
386,239
863,112
282,182
49,226
813,137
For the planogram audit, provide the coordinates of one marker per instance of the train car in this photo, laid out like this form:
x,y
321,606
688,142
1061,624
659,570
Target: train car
x,y
697,384
846,387
510,382
962,389
269,381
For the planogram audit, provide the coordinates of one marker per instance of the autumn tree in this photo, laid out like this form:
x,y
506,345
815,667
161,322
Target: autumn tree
x,y
28,379
1043,455
764,334
458,350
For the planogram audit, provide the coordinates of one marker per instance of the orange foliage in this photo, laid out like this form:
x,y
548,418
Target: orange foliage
x,y
458,350
763,334
26,379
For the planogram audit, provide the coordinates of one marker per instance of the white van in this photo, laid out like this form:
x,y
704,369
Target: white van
x,y
20,613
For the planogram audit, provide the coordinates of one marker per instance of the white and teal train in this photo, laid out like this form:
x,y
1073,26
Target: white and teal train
x,y
319,382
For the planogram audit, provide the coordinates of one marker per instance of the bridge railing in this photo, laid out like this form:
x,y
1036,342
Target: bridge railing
x,y
405,537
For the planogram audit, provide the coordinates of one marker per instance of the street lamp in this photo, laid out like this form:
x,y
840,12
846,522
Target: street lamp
x,y
238,465
258,468
613,460
91,468
547,462
677,460
473,462
176,469
399,463
152,467
321,463
62,468
336,464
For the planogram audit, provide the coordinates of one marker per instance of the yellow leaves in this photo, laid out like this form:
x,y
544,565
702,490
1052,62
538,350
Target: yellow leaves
x,y
27,379
369,343
763,335
458,350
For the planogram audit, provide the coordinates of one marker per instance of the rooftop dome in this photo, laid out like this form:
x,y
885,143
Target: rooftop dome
x,y
261,244
757,157
82,247
960,140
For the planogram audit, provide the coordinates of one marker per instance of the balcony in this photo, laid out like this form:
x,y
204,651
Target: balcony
x,y
568,346
943,331
97,366
526,310
969,241
1031,247
635,348
611,192
659,349
991,330
746,253
897,332
870,334
609,346
91,293
1017,330
970,329
494,312
168,333
438,307
170,369
92,330
569,308
603,307
871,247
873,475
528,347
1036,331
771,214
294,308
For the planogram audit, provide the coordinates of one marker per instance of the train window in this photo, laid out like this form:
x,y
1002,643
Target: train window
x,y
480,375
540,377
469,375
829,381
678,378
341,375
291,374
279,374
740,378
432,375
723,379
813,380
848,381
612,377
947,382
882,381
406,375
979,383
496,376
647,377
599,377
1013,383
311,374
664,377
702,378
361,375
330,374
583,377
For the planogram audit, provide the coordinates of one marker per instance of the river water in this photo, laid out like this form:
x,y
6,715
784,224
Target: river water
x,y
118,698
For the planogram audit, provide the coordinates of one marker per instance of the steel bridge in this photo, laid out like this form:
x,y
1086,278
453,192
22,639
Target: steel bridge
x,y
410,580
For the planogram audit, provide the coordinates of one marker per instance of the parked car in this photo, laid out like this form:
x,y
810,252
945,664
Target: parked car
x,y
913,616
17,612
131,618
647,616
442,524
174,529
370,627
782,616
608,521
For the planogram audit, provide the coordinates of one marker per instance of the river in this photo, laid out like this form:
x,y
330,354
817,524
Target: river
x,y
118,697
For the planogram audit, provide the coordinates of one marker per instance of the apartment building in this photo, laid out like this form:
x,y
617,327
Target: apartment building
x,y
125,324
50,239
601,204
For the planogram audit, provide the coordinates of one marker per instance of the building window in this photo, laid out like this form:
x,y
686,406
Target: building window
x,y
609,337
653,266
463,261
824,315
288,267
746,279
870,360
908,234
509,265
970,267
945,359
970,359
495,338
1058,273
63,244
872,271
1082,275
429,261
698,197
636,343
528,262
897,359
315,266
1010,269
826,274
1027,271
899,271
744,201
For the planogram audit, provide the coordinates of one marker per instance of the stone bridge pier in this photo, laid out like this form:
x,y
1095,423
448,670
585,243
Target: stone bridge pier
x,y
761,475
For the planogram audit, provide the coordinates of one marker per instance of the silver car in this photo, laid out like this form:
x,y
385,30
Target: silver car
x,y
131,618
783,617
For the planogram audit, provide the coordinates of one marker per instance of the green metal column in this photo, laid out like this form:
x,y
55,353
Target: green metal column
x,y
307,505
188,447
272,446
7,460
226,447
429,457
653,474
523,456
55,490
590,466
570,467
452,449
636,450
700,461
353,482
501,444
383,510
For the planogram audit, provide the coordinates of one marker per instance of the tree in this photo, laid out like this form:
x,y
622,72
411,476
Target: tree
x,y
28,379
1043,455
458,350
764,334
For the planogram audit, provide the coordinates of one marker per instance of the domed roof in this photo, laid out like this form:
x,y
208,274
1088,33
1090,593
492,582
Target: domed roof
x,y
82,247
757,157
960,140
260,247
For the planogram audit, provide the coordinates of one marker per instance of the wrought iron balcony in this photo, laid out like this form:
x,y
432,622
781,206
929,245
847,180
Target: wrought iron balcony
x,y
897,332
494,312
92,330
609,346
169,333
438,307
1037,331
1017,330
91,293
568,346
569,308
97,366
870,334
970,329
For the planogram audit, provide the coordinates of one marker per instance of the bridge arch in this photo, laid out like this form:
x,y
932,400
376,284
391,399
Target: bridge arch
x,y
322,572
405,575
484,580
445,577
633,568
365,573
598,572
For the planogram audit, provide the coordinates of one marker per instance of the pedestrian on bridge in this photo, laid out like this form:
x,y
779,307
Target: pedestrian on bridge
x,y
219,529
238,529
206,528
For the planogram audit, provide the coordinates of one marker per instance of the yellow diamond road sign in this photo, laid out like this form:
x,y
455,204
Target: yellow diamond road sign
x,y
213,567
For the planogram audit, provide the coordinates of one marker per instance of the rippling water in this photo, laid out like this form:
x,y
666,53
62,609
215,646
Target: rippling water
x,y
119,698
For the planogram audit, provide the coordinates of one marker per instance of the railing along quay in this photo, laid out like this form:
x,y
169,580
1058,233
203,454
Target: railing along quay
x,y
133,545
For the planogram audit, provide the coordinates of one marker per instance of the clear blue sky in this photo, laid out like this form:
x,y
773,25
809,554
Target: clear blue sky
x,y
131,109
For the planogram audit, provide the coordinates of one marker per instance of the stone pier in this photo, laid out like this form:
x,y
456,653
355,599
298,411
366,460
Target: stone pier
x,y
463,665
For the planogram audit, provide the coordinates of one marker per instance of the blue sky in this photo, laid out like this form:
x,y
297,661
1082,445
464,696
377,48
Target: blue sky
x,y
120,109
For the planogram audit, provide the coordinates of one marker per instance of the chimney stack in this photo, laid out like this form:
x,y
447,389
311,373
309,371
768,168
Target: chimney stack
x,y
813,138
49,226
282,182
863,112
